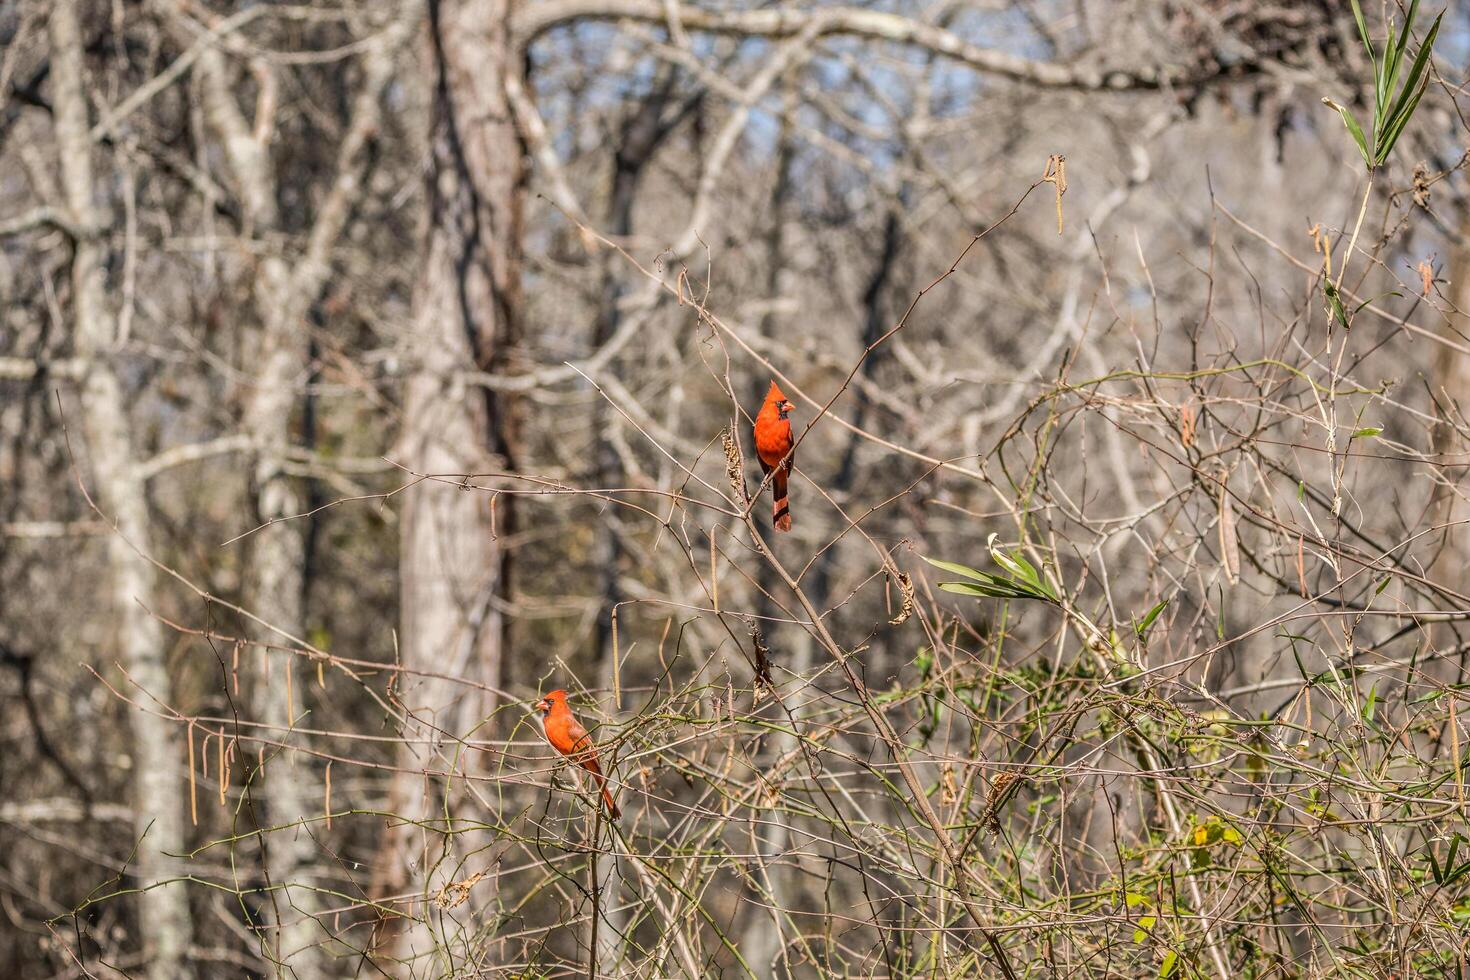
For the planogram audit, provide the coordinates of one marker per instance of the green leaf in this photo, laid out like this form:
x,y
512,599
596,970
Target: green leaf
x,y
1369,302
1134,899
1367,433
924,661
1141,628
994,587
979,591
958,569
1413,90
1363,31
1145,923
1024,582
1171,958
1394,55
1018,566
1334,302
1356,132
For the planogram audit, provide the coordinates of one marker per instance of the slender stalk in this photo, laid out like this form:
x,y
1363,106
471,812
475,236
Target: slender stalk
x,y
1357,227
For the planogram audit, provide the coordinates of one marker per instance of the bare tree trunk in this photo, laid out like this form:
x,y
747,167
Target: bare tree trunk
x,y
454,575
158,802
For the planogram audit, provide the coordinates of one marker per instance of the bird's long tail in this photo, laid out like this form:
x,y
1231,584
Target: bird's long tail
x,y
781,506
612,808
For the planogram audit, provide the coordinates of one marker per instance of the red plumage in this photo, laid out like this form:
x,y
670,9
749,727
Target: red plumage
x,y
774,446
567,736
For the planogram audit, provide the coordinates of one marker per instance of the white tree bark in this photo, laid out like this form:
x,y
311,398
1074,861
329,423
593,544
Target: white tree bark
x,y
453,574
158,784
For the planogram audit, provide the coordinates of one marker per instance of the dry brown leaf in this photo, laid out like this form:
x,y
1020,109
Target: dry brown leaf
x,y
1186,425
457,892
906,589
1056,175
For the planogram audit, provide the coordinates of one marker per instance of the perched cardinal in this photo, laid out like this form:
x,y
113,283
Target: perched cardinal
x,y
773,444
567,736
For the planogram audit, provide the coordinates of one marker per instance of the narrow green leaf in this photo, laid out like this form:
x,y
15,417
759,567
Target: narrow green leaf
x,y
969,588
1300,667
993,588
1171,959
1028,571
1356,132
958,569
1010,564
1367,432
1408,98
1363,30
1394,54
1334,303
1142,627
1369,302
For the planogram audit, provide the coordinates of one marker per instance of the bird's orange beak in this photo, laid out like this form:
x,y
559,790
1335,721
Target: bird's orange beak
x,y
543,705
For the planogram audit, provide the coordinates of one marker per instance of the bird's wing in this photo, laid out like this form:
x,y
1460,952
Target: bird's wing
x,y
577,735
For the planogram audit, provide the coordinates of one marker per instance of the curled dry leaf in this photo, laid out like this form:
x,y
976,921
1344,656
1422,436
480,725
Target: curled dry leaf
x,y
762,657
1056,175
1000,791
456,893
906,590
1186,424
1421,184
1426,275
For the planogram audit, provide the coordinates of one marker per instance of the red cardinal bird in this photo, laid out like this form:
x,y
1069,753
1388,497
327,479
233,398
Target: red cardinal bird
x,y
567,736
773,445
